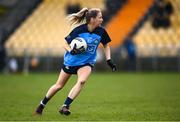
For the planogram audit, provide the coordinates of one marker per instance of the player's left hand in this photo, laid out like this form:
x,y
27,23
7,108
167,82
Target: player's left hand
x,y
111,64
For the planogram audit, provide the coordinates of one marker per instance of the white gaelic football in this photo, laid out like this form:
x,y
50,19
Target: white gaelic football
x,y
80,42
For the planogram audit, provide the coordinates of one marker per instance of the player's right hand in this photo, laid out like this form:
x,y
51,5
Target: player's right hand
x,y
75,51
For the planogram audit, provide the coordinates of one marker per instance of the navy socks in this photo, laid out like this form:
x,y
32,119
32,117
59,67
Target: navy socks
x,y
68,101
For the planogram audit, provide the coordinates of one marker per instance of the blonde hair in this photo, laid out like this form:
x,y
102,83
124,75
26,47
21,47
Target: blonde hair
x,y
84,14
78,17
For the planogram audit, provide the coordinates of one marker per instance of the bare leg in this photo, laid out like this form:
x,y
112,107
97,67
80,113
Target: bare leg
x,y
63,78
83,74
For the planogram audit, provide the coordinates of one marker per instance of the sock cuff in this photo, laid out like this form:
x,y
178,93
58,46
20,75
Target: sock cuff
x,y
42,103
70,98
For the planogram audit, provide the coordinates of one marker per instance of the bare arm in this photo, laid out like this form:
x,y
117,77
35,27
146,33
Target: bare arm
x,y
109,61
66,46
107,51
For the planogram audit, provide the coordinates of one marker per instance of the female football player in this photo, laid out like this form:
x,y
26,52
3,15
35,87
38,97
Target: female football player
x,y
78,61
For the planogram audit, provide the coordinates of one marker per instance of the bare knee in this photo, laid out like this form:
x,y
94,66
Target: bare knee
x,y
82,82
58,87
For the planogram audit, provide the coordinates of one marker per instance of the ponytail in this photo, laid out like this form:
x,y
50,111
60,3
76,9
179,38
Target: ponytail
x,y
78,17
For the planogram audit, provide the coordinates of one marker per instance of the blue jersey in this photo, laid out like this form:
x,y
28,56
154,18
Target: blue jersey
x,y
93,39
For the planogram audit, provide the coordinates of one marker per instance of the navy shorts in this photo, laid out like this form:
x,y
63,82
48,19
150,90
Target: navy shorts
x,y
74,69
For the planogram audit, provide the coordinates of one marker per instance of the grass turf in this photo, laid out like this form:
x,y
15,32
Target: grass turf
x,y
105,97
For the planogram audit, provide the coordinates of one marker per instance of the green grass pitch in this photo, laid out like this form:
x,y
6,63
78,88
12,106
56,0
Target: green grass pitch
x,y
105,97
